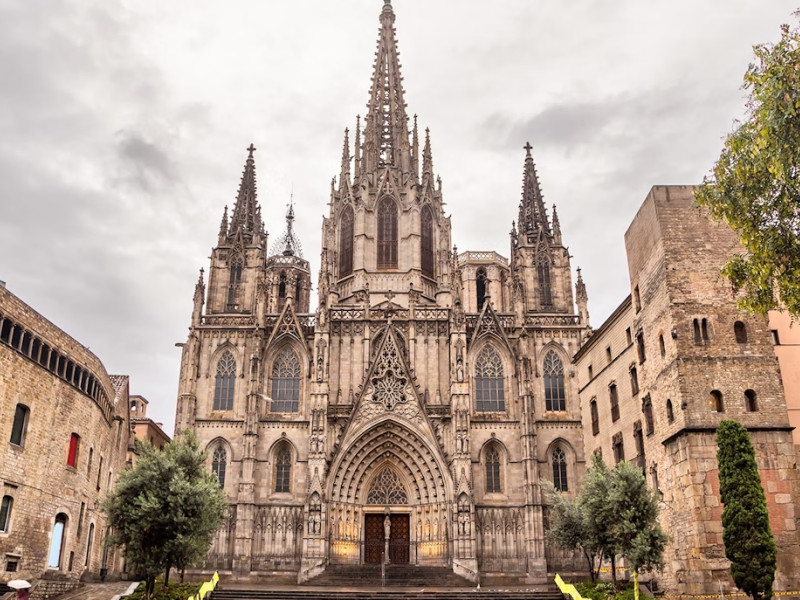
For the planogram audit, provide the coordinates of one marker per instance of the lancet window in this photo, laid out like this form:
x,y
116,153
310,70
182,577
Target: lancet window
x,y
234,283
224,383
387,234
219,463
346,243
560,469
426,242
489,391
286,382
480,287
283,470
545,292
387,489
493,471
554,396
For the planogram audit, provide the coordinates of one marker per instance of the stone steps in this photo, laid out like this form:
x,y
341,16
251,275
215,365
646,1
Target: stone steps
x,y
378,593
396,576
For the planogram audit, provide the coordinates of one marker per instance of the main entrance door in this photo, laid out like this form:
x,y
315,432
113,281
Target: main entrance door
x,y
374,539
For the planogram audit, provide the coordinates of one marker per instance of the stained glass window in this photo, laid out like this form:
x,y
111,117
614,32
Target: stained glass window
x,y
223,386
493,471
489,392
286,382
560,469
218,464
427,242
387,234
346,243
554,397
283,470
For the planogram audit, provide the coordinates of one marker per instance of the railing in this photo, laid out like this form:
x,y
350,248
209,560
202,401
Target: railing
x,y
567,588
465,257
208,586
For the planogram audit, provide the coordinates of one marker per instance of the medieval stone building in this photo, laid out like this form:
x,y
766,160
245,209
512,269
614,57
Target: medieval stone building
x,y
425,398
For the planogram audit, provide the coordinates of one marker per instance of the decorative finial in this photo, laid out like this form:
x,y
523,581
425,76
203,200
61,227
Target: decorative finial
x,y
528,149
250,151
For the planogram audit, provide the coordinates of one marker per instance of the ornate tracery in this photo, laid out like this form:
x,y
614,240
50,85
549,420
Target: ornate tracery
x,y
224,382
489,391
554,397
426,241
387,234
286,382
346,243
387,489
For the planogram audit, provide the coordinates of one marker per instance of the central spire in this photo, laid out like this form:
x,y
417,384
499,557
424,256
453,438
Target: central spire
x,y
532,214
386,133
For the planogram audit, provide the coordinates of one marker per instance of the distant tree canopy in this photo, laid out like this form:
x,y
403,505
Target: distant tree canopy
x,y
755,186
166,509
749,544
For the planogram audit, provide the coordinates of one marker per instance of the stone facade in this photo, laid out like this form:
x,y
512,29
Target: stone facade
x,y
144,428
786,337
670,363
65,427
429,385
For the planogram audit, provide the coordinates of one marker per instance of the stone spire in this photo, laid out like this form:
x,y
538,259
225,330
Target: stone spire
x,y
357,150
288,244
415,150
532,214
344,174
246,213
223,226
199,296
556,228
582,299
386,131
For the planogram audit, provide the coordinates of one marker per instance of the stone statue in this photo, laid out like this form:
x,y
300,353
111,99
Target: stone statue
x,y
387,526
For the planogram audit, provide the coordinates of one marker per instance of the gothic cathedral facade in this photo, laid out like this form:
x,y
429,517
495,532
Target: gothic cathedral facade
x,y
419,409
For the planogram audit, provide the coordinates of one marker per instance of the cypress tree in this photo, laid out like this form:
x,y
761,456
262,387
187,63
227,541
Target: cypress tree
x,y
749,544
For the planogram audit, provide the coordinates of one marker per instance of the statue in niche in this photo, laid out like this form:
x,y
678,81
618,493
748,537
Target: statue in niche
x,y
387,526
459,369
320,369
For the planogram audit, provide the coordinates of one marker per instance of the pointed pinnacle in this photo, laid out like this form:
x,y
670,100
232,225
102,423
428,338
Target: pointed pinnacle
x,y
427,156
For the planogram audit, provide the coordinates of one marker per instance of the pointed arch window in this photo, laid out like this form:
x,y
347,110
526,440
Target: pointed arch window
x,y
554,396
234,283
480,287
387,234
493,471
545,291
286,382
426,241
282,286
560,469
224,382
346,243
219,463
489,392
283,470
595,417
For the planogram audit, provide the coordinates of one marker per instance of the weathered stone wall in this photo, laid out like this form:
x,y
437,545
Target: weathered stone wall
x,y
35,473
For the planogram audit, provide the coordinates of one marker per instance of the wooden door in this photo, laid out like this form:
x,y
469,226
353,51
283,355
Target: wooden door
x,y
399,539
373,539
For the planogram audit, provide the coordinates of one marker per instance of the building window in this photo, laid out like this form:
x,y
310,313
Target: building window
x,y
618,448
426,242
715,400
647,409
608,354
740,331
545,293
634,381
387,234
89,468
493,471
489,392
640,346
595,417
776,339
628,337
637,300
750,403
99,473
670,412
662,348
614,398
57,542
282,286
20,422
560,470
554,397
74,448
346,243
219,462
286,382
591,372
480,287
89,545
224,384
234,283
5,513
638,440
283,470
701,329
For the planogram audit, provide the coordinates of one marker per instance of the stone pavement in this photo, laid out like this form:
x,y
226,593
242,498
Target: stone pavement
x,y
100,591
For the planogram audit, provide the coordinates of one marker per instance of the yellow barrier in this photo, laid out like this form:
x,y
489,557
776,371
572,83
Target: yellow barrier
x,y
567,588
208,586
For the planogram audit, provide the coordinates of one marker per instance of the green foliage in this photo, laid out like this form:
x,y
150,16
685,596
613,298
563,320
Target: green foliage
x,y
600,590
755,186
568,526
180,591
166,509
749,544
594,501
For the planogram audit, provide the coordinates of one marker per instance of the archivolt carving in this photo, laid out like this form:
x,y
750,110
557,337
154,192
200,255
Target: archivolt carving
x,y
387,489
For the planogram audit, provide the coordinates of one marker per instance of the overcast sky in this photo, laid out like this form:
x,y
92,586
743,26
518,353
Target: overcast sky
x,y
123,128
